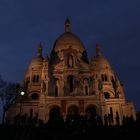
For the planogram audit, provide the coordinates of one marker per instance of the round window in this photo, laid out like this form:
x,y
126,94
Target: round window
x,y
35,96
107,95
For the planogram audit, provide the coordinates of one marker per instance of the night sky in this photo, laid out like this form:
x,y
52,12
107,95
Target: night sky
x,y
113,23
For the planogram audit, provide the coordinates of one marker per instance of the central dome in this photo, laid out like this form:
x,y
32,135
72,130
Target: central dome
x,y
68,39
68,42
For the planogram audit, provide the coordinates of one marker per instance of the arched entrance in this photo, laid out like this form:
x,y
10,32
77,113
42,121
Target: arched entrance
x,y
91,111
55,118
73,110
70,80
72,115
54,112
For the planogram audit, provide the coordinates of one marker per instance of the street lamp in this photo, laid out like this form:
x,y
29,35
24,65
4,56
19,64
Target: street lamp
x,y
22,94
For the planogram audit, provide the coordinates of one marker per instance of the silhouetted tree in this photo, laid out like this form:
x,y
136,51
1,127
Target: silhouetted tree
x,y
7,95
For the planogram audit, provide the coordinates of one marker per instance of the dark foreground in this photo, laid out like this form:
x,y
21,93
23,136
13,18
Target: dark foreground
x,y
28,132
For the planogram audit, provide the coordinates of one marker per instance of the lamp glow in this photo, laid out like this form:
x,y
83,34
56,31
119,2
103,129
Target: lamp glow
x,y
22,93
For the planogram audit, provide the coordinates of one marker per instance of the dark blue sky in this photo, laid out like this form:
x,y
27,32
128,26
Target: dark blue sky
x,y
113,23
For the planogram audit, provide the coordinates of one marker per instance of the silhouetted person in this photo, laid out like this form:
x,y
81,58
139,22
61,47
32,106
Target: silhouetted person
x,y
99,121
40,122
92,122
117,119
106,120
124,120
109,119
127,120
131,119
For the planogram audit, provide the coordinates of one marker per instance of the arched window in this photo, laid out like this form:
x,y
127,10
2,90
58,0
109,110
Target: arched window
x,y
37,78
70,61
70,83
34,79
56,87
113,83
104,77
86,86
56,90
86,90
86,80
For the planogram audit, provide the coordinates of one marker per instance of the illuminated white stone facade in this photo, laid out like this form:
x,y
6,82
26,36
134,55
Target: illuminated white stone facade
x,y
69,81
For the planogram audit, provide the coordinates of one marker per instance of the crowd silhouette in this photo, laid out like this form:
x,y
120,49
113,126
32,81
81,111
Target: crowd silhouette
x,y
72,126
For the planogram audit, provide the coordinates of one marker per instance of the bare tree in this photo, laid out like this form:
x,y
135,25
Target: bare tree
x,y
7,95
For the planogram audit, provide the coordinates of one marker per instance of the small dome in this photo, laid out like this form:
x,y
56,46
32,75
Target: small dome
x,y
37,61
36,64
100,62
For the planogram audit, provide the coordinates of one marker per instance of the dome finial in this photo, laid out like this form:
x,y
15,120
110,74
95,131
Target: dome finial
x,y
39,50
98,49
67,25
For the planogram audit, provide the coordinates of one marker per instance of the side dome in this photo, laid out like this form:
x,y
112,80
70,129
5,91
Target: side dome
x,y
37,61
99,61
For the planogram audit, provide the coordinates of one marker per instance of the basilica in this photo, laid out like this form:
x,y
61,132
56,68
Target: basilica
x,y
68,82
